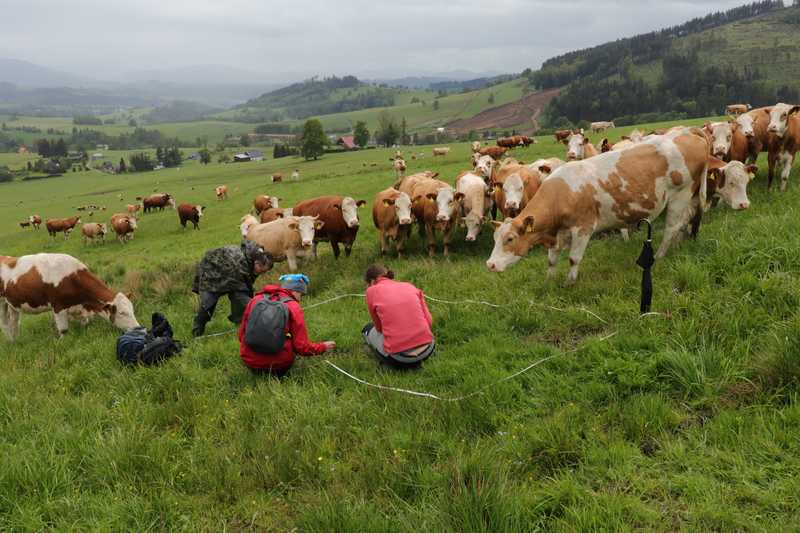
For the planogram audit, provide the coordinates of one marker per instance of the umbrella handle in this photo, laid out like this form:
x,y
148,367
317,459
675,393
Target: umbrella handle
x,y
649,227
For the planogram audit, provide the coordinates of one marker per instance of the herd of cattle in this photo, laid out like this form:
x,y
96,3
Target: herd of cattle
x,y
551,202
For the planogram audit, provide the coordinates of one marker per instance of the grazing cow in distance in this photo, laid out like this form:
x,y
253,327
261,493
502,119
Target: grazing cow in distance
x,y
391,214
613,190
263,202
59,283
597,127
495,152
579,147
441,151
275,213
35,221
25,224
92,231
61,225
561,135
190,213
276,178
221,192
784,128
399,165
158,201
124,226
286,239
473,195
295,175
133,209
339,215
737,109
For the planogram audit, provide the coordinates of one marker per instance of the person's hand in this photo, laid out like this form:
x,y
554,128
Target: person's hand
x,y
329,345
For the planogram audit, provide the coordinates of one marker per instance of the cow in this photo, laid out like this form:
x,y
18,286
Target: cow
x,y
753,127
784,131
92,231
476,145
399,165
295,175
221,192
391,214
268,215
737,109
721,134
59,283
613,190
441,151
509,142
61,225
546,166
605,146
263,202
562,135
513,186
124,226
190,213
286,239
495,152
35,221
579,147
434,205
246,223
406,182
133,208
728,182
597,127
277,178
157,201
25,224
339,215
472,194
627,141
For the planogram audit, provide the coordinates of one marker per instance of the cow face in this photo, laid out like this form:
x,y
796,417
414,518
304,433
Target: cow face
x,y
171,202
273,202
513,189
731,183
402,208
102,229
746,124
721,136
445,204
511,243
246,222
474,222
306,226
121,313
576,144
779,118
349,209
199,209
484,166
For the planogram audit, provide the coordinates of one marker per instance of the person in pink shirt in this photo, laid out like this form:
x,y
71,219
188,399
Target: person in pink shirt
x,y
400,333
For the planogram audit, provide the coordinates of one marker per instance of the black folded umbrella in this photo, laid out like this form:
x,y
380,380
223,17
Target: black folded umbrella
x,y
646,261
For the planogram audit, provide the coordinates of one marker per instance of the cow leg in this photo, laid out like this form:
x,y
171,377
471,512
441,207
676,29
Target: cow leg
x,y
384,244
787,158
430,236
62,322
772,161
680,212
335,247
291,259
625,235
9,320
553,254
196,224
348,248
580,240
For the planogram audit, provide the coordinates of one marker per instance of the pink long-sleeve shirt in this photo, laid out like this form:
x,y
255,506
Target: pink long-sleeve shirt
x,y
399,311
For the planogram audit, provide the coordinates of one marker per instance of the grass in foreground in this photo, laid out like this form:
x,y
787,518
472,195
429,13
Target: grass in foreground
x,y
685,420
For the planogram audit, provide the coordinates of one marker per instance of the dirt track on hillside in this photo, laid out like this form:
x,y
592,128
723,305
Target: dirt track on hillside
x,y
524,111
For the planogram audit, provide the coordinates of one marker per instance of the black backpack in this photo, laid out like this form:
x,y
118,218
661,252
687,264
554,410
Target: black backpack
x,y
139,346
266,327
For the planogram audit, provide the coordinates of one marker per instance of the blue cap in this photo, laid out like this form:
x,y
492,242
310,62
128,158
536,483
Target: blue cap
x,y
295,282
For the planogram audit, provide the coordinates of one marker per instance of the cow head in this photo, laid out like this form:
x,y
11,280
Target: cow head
x,y
246,223
102,228
605,145
746,124
484,166
171,201
402,208
474,221
306,226
445,199
576,144
730,182
349,209
513,190
273,202
779,117
721,136
199,209
120,312
513,239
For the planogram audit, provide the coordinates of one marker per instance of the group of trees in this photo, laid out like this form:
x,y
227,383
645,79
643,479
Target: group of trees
x,y
87,120
142,162
54,148
283,150
169,156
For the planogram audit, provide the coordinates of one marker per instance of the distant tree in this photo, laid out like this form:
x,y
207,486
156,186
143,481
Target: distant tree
x,y
159,154
132,123
388,131
141,162
361,134
59,149
205,156
29,166
202,141
244,140
313,139
404,132
122,166
223,158
5,174
490,100
172,157
43,148
436,105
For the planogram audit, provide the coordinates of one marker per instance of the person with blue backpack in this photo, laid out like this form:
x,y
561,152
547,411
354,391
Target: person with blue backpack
x,y
273,329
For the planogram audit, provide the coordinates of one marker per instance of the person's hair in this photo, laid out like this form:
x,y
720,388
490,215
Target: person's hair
x,y
377,271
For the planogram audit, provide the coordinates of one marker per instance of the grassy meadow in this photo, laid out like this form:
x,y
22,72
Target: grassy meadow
x,y
687,419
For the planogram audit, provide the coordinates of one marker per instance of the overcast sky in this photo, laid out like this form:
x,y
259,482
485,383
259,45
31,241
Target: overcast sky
x,y
369,38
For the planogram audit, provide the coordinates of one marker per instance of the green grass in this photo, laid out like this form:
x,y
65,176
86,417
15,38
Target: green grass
x,y
687,420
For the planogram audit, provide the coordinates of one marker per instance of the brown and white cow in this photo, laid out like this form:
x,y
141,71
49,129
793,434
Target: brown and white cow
x,y
434,205
263,202
286,239
295,175
190,213
511,142
721,137
472,193
158,201
339,215
222,192
475,145
399,166
277,177
61,225
737,109
784,130
627,141
613,190
124,226
35,221
274,213
133,209
728,182
597,127
94,230
441,151
546,166
407,182
513,186
495,152
562,135
579,147
391,214
61,284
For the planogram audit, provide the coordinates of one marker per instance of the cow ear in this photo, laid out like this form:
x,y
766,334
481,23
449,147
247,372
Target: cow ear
x,y
794,110
767,110
714,163
337,206
527,224
431,196
496,223
458,196
752,170
293,225
318,224
545,169
565,141
388,201
586,140
361,203
435,175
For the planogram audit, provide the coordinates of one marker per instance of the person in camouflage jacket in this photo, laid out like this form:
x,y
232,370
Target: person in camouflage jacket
x,y
229,270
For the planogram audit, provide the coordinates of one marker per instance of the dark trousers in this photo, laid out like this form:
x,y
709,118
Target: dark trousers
x,y
374,340
271,371
208,303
